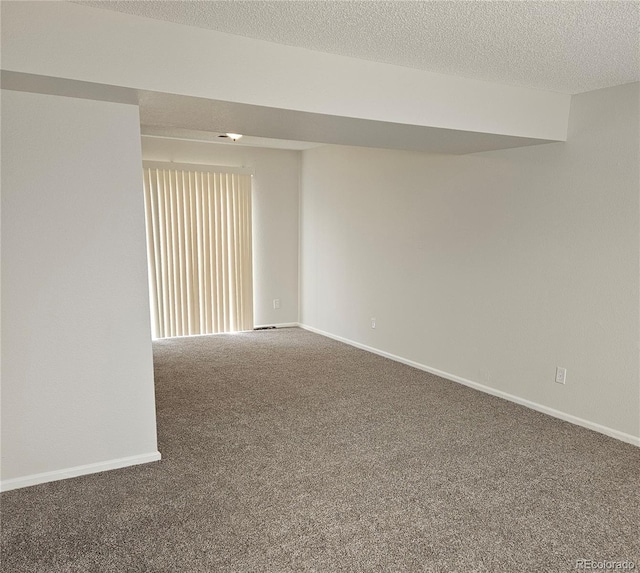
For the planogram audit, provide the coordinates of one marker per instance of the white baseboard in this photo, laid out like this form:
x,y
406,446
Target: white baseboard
x,y
35,479
278,325
622,436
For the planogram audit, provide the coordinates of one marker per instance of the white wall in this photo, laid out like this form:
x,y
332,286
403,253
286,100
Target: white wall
x,y
493,267
77,371
275,215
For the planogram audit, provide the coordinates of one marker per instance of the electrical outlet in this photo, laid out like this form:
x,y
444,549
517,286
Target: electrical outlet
x,y
276,303
373,322
561,375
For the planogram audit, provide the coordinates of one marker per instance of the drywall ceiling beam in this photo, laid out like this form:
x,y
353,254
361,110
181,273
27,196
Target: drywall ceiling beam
x,y
65,40
177,116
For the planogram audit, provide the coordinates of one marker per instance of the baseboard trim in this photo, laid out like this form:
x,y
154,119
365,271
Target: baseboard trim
x,y
35,479
278,325
622,436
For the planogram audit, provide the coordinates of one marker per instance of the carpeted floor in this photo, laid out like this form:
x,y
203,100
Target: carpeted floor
x,y
284,451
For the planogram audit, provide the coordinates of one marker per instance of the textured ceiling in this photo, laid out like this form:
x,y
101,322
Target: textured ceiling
x,y
216,137
569,47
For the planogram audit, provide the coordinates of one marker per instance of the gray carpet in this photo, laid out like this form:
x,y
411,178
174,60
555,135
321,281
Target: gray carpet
x,y
284,451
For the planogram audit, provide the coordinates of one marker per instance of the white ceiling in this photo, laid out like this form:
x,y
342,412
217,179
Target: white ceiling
x,y
218,137
564,46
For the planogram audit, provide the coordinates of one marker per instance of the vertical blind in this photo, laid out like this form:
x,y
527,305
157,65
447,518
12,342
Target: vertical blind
x,y
199,251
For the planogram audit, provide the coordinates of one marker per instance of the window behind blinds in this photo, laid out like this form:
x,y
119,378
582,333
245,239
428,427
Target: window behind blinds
x,y
199,250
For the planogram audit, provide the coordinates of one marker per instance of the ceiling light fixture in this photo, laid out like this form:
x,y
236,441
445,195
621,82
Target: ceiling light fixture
x,y
234,136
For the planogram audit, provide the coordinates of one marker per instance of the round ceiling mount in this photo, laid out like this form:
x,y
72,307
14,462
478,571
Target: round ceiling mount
x,y
232,136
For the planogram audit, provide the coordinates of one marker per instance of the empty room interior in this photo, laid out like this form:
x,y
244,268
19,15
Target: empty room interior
x,y
320,286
